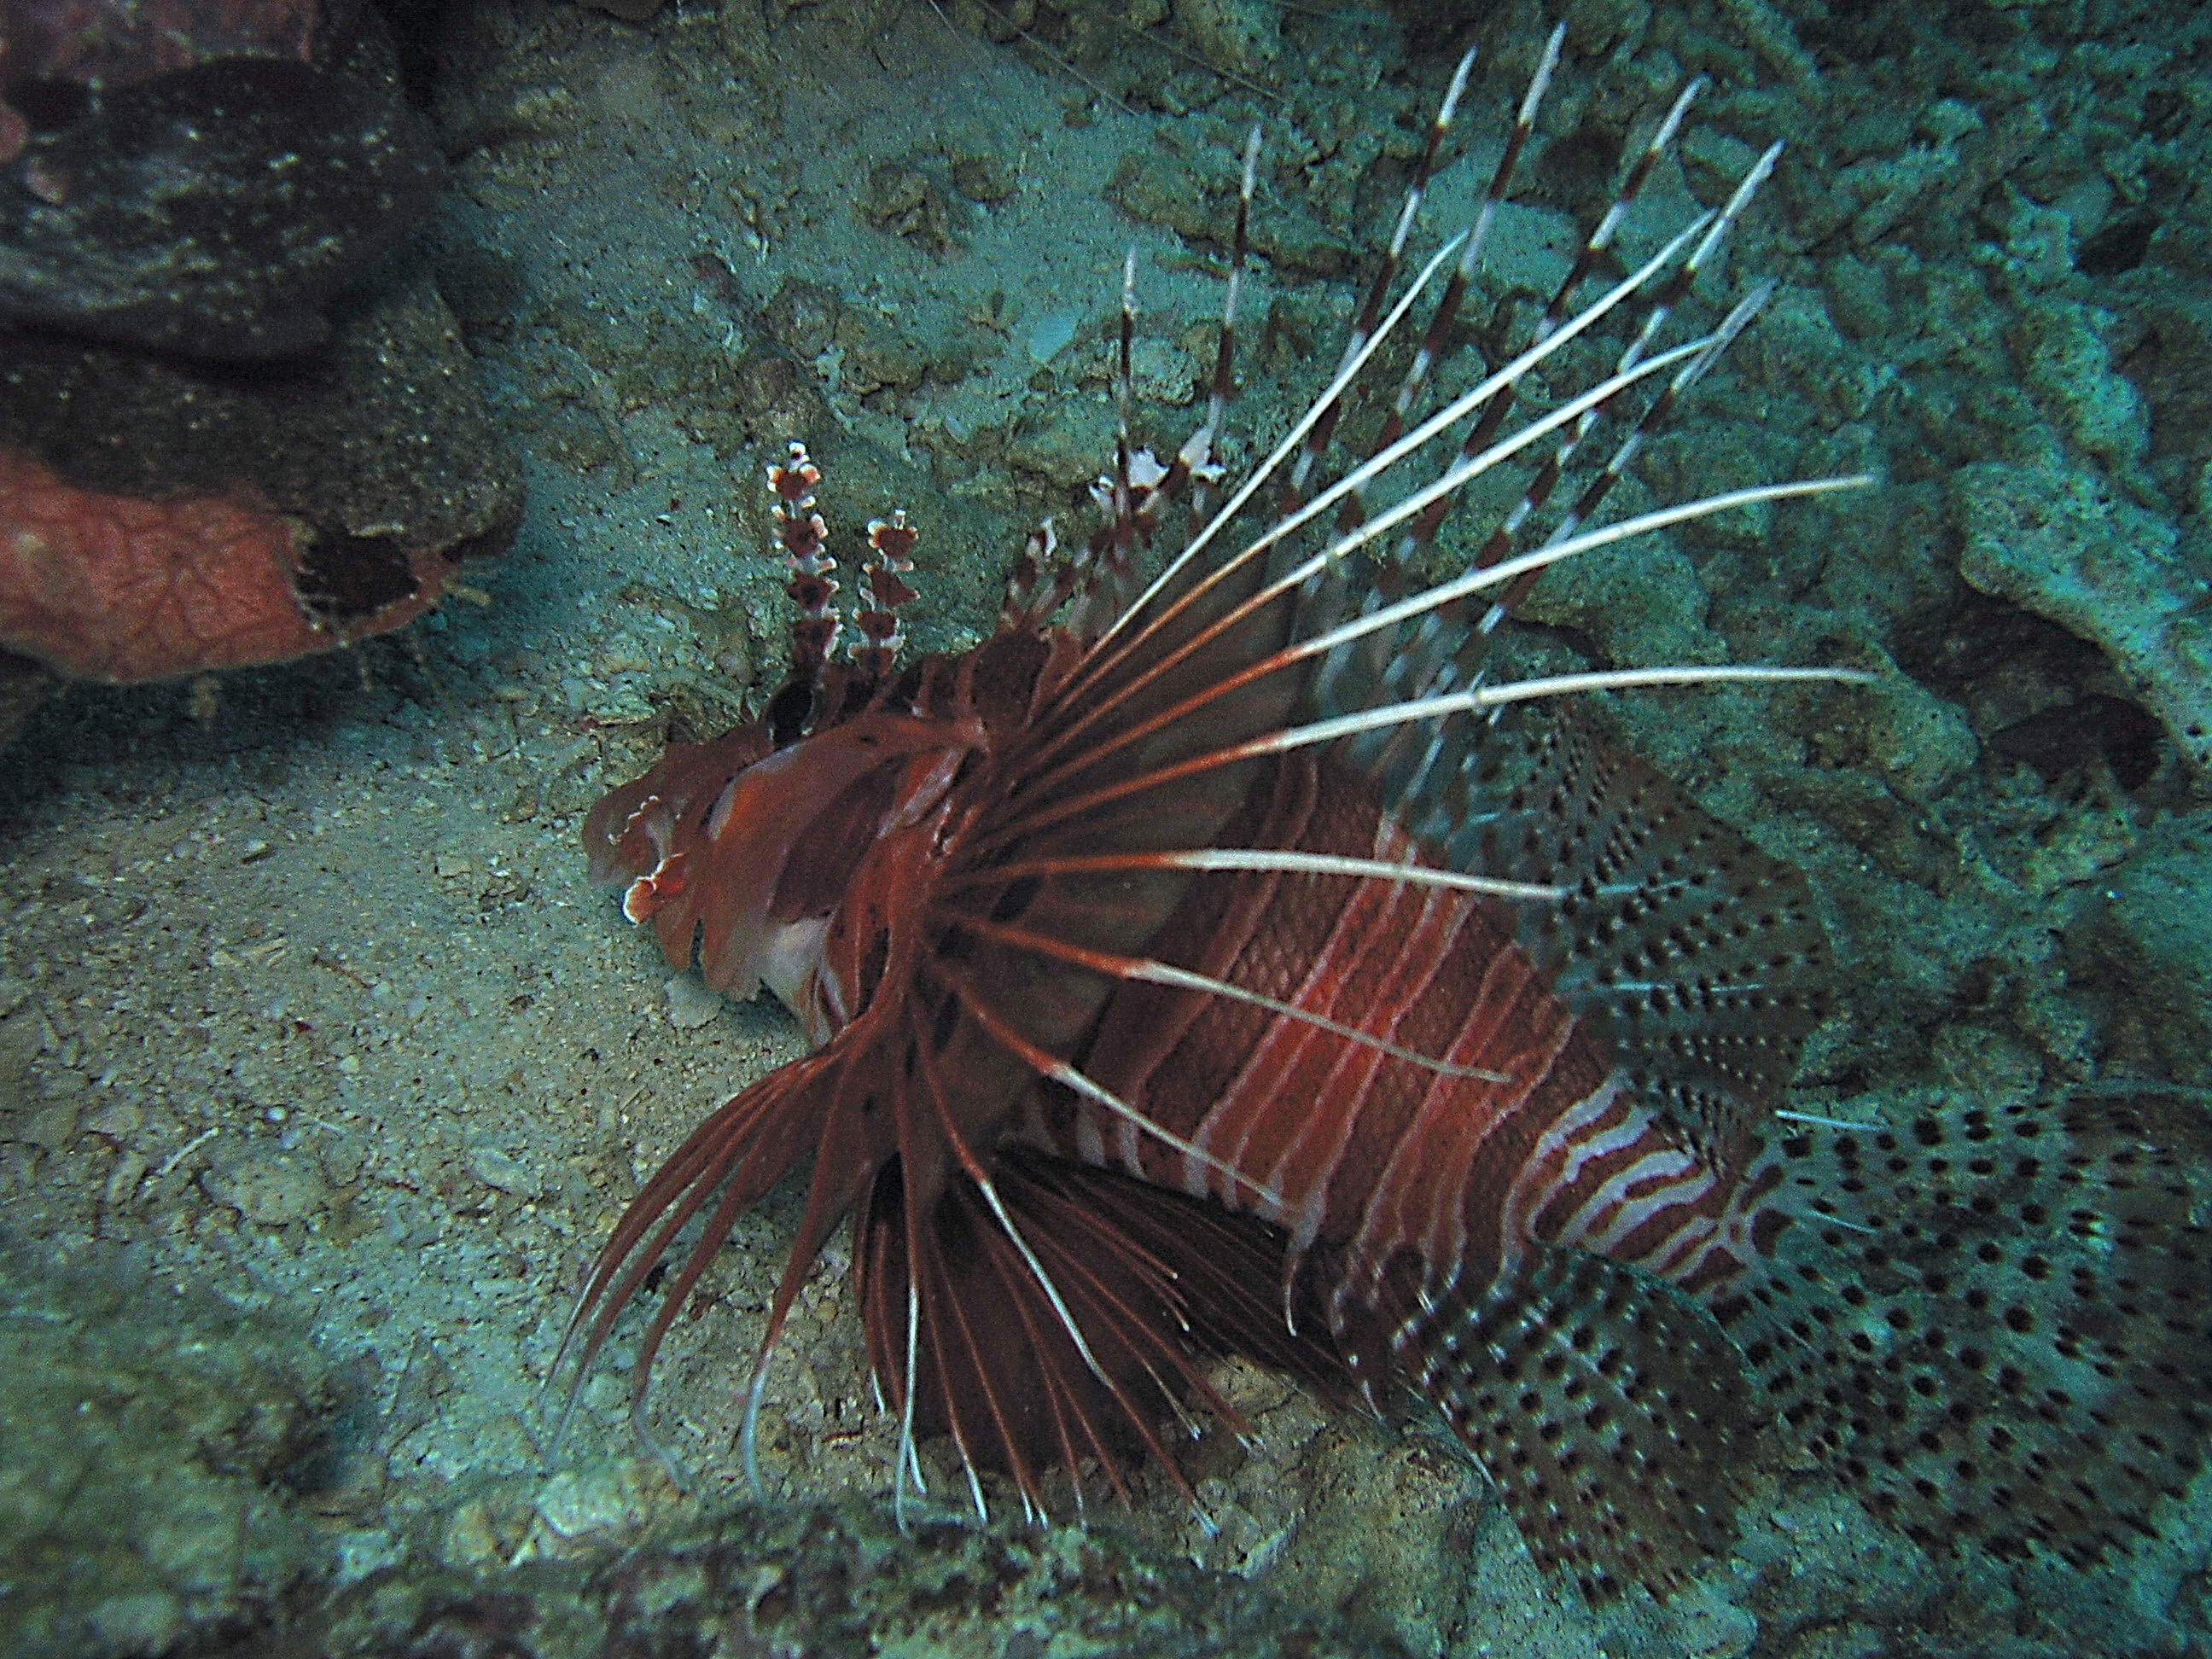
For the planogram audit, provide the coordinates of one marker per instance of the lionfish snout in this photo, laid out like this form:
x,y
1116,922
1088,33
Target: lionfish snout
x,y
1225,958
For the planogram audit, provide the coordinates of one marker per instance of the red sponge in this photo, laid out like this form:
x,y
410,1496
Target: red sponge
x,y
121,589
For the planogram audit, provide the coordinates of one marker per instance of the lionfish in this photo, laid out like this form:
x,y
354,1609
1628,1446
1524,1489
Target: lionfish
x,y
1232,961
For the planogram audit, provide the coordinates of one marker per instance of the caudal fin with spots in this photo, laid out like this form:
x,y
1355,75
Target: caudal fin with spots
x,y
1993,1323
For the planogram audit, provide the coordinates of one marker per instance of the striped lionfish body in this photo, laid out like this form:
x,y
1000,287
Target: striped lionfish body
x,y
1230,962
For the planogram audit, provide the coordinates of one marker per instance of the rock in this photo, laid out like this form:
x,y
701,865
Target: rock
x,y
115,42
2145,937
244,521
842,1579
2062,546
150,1445
159,1454
269,1191
159,516
23,686
496,1169
215,210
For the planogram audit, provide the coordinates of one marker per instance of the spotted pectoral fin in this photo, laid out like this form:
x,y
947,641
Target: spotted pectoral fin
x,y
1610,1413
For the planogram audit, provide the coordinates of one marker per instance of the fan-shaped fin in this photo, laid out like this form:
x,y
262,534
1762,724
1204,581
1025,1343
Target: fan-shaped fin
x,y
1995,1324
1153,1281
1610,1413
740,1152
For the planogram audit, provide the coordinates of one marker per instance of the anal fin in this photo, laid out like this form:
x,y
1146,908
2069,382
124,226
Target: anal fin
x,y
1610,1413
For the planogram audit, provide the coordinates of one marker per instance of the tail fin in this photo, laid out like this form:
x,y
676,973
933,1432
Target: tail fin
x,y
1993,1322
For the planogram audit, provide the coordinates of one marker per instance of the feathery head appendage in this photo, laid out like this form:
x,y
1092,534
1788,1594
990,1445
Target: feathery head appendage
x,y
793,480
802,534
890,542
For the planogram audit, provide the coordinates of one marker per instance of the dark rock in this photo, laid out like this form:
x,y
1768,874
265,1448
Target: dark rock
x,y
111,43
2056,740
836,1581
214,211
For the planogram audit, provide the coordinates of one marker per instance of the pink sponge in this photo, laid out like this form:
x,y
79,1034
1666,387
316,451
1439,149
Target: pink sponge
x,y
119,588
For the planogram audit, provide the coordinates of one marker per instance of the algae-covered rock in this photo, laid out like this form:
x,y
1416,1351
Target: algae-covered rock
x,y
150,1447
2063,546
2146,936
165,1461
189,519
834,1581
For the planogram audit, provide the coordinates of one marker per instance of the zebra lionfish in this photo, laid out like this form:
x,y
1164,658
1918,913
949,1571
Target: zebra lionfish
x,y
1229,960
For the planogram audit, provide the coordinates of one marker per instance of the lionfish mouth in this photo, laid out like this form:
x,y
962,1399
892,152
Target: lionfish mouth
x,y
1229,961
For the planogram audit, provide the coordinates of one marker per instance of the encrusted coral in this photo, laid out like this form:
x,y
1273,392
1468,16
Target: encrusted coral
x,y
206,185
158,519
836,1580
2065,546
